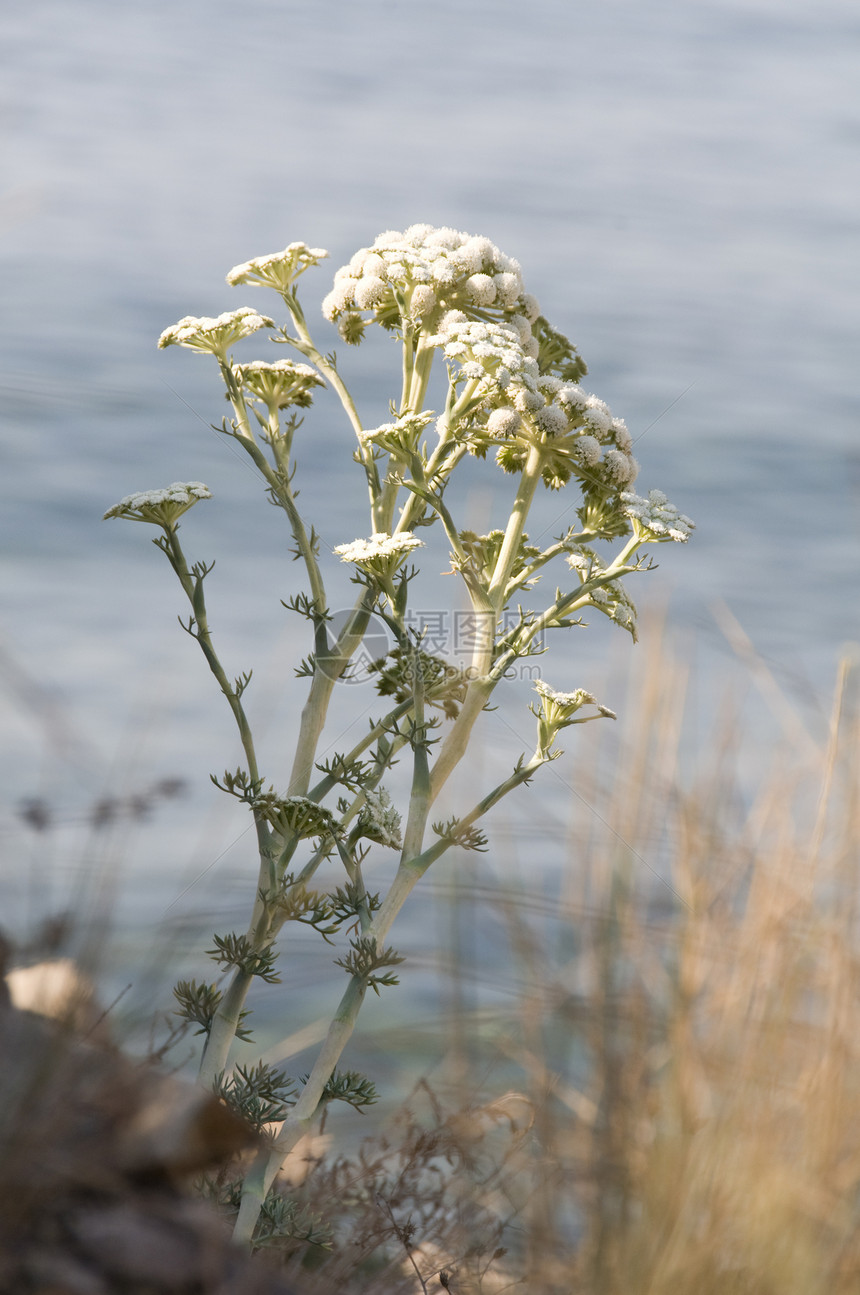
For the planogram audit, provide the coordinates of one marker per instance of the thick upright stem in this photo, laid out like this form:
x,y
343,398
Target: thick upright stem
x,y
268,1162
262,1174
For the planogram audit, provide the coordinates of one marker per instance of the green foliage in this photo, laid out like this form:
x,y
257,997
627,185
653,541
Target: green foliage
x,y
293,902
351,1087
260,1094
364,961
444,685
198,1004
239,784
304,606
283,1224
237,951
557,355
351,774
467,838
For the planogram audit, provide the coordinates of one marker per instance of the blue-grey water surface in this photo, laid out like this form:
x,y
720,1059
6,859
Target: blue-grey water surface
x,y
679,180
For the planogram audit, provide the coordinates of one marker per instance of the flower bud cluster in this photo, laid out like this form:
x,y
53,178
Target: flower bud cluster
x,y
520,406
278,269
420,272
492,355
557,709
217,335
378,820
559,706
483,552
583,439
655,519
160,507
297,816
400,436
279,384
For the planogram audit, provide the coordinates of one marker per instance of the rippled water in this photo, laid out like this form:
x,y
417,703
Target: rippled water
x,y
680,182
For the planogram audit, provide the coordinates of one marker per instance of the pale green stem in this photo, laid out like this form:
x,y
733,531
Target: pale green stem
x,y
315,709
515,527
226,1019
454,746
569,603
408,369
222,1030
443,452
411,870
562,546
193,588
278,482
285,495
300,1119
263,1172
419,802
416,377
304,343
483,682
325,785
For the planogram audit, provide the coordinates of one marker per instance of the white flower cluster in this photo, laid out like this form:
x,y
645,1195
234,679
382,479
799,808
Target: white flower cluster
x,y
280,383
400,435
217,335
426,268
278,269
655,516
494,355
582,434
379,546
379,820
161,507
586,438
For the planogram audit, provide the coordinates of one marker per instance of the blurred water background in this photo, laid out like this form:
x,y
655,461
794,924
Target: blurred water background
x,y
680,183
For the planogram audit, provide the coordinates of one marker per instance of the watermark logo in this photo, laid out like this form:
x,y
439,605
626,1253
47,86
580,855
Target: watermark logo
x,y
446,634
376,643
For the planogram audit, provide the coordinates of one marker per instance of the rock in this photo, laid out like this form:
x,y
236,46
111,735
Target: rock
x,y
95,1154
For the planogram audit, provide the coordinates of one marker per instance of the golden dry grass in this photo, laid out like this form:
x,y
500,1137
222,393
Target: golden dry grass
x,y
672,1106
691,1068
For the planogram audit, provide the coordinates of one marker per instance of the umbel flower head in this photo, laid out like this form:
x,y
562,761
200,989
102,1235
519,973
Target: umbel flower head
x,y
279,384
517,405
217,335
494,355
382,554
296,816
160,507
421,272
654,519
379,820
401,436
557,709
277,270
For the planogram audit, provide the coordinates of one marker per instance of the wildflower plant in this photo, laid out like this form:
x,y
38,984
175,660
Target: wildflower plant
x,y
513,394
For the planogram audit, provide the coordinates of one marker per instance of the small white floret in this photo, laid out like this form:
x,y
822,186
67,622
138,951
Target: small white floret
x,y
481,289
504,423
